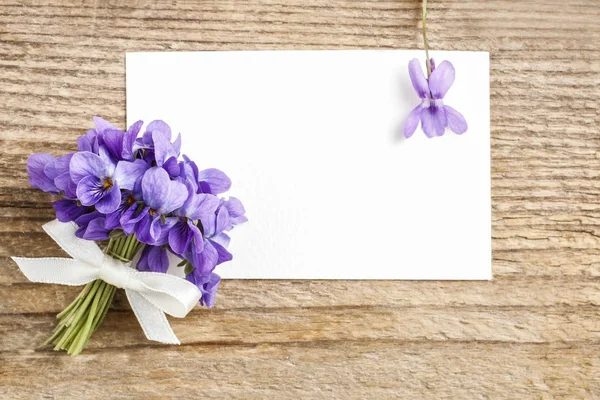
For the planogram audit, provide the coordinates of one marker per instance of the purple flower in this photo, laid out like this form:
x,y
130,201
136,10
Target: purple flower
x,y
185,232
433,114
119,143
158,149
208,285
91,227
235,210
69,210
160,196
99,179
93,138
214,250
36,165
62,176
211,180
153,259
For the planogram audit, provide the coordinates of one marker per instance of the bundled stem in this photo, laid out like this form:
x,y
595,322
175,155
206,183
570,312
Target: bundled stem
x,y
84,315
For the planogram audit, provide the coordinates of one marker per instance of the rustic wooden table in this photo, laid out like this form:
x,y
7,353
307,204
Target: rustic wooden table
x,y
532,332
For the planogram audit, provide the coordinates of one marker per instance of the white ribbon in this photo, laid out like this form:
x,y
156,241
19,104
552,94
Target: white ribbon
x,y
151,294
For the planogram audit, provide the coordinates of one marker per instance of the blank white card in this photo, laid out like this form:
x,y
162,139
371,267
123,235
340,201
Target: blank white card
x,y
313,142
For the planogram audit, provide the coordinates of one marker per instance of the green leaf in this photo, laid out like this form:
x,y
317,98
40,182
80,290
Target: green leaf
x,y
182,263
189,268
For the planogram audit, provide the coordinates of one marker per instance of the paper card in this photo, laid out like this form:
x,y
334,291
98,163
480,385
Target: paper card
x,y
314,145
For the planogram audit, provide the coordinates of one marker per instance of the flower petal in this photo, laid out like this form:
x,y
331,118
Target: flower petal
x,y
201,205
88,142
223,220
177,144
113,140
142,229
155,187
129,140
50,170
160,193
180,237
441,79
153,259
108,160
110,201
172,167
235,207
102,125
177,196
127,173
95,230
412,121
131,218
456,121
223,254
418,78
213,181
222,239
159,230
197,239
209,290
65,184
206,260
68,210
163,149
85,164
62,163
162,126
433,121
35,168
90,190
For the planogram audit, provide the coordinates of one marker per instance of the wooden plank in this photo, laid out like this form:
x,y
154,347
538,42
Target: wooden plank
x,y
318,370
284,325
261,294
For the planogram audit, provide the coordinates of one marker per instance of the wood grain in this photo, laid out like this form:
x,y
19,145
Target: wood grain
x,y
533,332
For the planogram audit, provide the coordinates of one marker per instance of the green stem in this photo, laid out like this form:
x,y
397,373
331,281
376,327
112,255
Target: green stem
x,y
84,315
425,42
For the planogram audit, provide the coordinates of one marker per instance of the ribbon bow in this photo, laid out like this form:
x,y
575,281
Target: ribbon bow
x,y
151,294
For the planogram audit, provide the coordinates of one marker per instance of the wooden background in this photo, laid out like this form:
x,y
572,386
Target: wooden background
x,y
532,332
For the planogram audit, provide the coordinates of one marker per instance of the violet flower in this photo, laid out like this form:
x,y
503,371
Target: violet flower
x,y
99,179
208,285
160,196
433,114
214,251
153,259
36,165
185,232
91,227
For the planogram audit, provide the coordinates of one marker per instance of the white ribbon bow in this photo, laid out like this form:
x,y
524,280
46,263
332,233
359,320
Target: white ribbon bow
x,y
151,294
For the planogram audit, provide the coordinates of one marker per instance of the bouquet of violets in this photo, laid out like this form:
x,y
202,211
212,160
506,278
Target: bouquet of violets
x,y
140,201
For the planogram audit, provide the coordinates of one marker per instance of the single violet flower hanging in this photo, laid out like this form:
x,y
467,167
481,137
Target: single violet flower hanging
x,y
432,113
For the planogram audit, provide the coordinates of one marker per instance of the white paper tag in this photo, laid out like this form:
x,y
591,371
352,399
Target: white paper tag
x,y
313,143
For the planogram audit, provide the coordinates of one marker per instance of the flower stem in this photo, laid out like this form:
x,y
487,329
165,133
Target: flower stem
x,y
84,315
425,42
